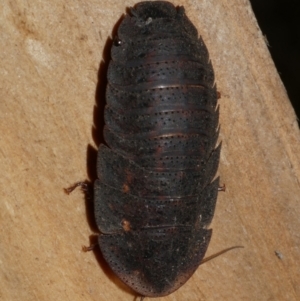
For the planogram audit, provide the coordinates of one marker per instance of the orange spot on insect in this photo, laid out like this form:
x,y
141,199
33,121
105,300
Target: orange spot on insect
x,y
125,188
126,225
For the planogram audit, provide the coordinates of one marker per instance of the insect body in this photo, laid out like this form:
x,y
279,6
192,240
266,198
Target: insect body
x,y
155,195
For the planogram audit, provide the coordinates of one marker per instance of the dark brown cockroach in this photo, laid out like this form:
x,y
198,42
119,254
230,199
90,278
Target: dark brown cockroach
x,y
155,195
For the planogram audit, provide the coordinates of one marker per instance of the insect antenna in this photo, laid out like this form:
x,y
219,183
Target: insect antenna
x,y
219,253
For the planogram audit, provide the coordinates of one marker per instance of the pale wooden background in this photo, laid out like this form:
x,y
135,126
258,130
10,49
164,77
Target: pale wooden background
x,y
50,57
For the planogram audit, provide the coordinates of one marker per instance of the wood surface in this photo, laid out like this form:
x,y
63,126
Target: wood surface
x,y
52,84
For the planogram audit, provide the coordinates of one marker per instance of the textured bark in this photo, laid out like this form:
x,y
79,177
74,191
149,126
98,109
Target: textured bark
x,y
50,56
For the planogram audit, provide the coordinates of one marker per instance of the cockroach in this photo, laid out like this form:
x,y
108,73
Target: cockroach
x,y
155,195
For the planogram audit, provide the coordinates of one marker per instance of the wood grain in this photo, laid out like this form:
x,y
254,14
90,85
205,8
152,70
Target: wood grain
x,y
52,93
